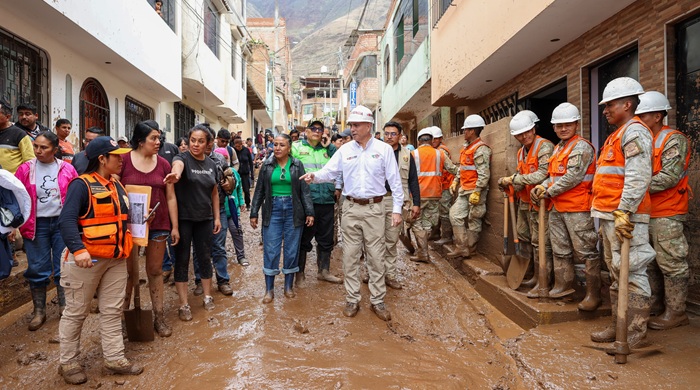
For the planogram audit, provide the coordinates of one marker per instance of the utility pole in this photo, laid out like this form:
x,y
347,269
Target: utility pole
x,y
341,105
272,60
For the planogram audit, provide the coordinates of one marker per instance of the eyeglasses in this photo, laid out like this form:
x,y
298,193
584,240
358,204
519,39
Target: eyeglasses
x,y
282,176
316,129
390,134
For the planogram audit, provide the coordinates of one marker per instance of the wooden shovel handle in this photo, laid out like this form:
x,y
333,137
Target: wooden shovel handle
x,y
135,276
621,345
543,278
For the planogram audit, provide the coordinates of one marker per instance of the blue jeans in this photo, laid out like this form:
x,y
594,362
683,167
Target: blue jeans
x,y
281,228
44,253
218,254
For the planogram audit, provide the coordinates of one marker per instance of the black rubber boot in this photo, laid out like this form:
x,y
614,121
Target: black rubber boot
x,y
288,286
300,276
269,289
324,268
39,315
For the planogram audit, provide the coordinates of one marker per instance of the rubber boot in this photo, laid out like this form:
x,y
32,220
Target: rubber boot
x,y
472,240
592,300
434,234
535,291
300,277
460,248
422,254
289,286
637,319
39,315
445,232
269,289
676,292
563,277
530,283
325,268
607,335
61,295
656,283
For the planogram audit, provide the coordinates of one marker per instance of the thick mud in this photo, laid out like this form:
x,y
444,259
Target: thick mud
x,y
437,339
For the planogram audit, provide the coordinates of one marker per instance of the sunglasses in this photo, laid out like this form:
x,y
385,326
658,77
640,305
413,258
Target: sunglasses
x,y
316,129
283,175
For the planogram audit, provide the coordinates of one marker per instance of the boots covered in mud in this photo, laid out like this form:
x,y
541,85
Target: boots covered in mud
x,y
593,283
676,292
324,268
637,319
461,243
269,289
607,335
39,314
300,277
534,291
563,277
422,254
446,232
289,286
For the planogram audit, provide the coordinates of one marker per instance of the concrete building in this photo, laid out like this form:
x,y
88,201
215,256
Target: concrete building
x,y
537,54
320,97
361,71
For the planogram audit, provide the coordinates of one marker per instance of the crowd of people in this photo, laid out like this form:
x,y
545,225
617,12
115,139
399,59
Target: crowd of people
x,y
73,208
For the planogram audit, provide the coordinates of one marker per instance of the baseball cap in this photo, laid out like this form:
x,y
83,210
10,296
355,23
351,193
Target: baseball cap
x,y
104,145
346,133
123,138
315,121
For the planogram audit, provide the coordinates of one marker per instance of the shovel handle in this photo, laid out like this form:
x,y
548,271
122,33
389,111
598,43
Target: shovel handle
x,y
135,276
511,203
543,278
622,348
505,223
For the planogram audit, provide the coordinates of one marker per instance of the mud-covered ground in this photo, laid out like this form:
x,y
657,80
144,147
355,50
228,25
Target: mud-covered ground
x,y
443,335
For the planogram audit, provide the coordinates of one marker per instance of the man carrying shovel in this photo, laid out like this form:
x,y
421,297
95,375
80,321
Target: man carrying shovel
x,y
533,160
571,228
621,200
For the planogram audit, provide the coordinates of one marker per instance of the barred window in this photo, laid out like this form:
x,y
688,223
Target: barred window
x,y
135,113
184,120
211,27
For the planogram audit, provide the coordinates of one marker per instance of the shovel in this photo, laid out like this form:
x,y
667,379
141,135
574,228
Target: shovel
x,y
520,262
542,277
505,257
139,323
405,238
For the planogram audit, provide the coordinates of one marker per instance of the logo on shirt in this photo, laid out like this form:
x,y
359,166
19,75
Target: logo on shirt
x,y
351,158
375,156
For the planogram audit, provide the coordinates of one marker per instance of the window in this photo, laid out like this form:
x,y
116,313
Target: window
x,y
167,11
399,34
243,69
308,109
411,15
94,107
277,103
387,66
366,69
234,56
135,112
24,71
439,8
211,27
416,17
184,120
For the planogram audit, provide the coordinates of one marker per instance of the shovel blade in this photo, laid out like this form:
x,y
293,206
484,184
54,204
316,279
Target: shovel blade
x,y
516,271
139,325
406,241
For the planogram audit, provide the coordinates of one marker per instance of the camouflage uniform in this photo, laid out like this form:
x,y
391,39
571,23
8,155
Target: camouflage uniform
x,y
430,207
462,209
445,203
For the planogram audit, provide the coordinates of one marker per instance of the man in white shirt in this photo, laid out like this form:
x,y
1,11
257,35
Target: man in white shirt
x,y
365,164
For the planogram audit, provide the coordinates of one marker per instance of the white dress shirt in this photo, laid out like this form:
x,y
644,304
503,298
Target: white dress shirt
x,y
365,171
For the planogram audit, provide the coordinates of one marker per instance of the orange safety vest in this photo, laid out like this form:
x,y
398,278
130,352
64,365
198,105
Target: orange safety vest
x,y
467,169
527,164
447,177
671,201
610,174
577,199
430,164
103,228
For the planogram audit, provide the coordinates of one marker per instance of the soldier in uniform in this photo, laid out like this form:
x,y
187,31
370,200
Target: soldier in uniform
x,y
533,161
446,198
431,163
669,205
473,183
621,201
571,229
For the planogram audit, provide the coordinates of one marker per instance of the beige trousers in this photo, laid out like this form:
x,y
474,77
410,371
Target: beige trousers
x,y
363,226
107,277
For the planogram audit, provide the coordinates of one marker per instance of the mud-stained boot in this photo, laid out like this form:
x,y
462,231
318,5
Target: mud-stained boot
x,y
535,291
656,283
422,254
72,373
472,240
676,292
607,335
460,247
160,326
637,319
39,315
530,283
61,295
445,232
324,263
592,300
434,234
300,278
289,286
563,278
269,289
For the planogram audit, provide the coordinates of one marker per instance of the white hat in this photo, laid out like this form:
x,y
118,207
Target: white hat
x,y
621,87
360,114
652,101
520,123
426,131
565,113
437,132
473,121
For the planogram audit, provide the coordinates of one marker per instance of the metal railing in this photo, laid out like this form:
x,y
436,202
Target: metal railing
x,y
439,7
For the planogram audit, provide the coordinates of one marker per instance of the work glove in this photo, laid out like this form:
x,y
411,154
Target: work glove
x,y
538,193
475,197
453,187
505,181
623,226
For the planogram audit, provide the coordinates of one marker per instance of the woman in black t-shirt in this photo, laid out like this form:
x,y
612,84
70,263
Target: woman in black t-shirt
x,y
194,176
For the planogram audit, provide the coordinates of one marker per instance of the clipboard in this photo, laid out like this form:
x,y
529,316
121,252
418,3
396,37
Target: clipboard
x,y
139,204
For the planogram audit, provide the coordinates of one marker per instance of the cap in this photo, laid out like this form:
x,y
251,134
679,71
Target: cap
x,y
123,138
104,145
313,122
346,133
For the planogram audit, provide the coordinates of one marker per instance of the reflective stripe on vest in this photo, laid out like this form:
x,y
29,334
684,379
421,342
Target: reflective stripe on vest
x,y
609,179
467,170
674,200
429,165
529,163
103,228
578,198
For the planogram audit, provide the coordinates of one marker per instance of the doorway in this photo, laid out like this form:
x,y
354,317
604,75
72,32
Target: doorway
x,y
543,103
94,107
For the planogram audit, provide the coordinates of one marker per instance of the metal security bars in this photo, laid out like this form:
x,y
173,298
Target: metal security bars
x,y
94,107
135,112
24,74
184,120
439,8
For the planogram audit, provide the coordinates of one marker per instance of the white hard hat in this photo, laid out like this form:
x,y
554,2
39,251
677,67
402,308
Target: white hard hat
x,y
521,123
532,115
651,102
437,132
360,114
621,87
473,121
565,113
426,131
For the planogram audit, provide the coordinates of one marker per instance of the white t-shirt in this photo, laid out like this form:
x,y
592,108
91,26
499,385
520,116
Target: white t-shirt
x,y
48,194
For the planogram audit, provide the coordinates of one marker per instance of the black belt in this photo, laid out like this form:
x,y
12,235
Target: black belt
x,y
376,199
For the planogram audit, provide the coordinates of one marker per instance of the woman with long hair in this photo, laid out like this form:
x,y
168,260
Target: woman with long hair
x,y
286,206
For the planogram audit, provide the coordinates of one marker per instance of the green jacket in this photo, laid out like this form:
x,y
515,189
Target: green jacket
x,y
236,195
314,159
